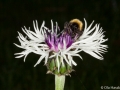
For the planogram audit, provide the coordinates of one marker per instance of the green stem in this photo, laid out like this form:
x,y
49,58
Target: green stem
x,y
59,82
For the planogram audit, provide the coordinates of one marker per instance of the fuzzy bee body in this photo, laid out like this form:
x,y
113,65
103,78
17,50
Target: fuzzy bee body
x,y
74,28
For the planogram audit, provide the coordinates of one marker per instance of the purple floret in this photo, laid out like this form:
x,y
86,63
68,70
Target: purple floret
x,y
52,40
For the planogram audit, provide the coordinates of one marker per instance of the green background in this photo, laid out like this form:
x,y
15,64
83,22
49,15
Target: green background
x,y
90,74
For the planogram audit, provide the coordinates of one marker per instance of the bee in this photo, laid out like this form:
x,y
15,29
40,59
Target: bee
x,y
73,28
76,23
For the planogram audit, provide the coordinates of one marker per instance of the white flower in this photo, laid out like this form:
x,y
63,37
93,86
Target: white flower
x,y
44,41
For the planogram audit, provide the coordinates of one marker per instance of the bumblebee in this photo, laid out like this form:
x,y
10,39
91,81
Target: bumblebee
x,y
77,24
74,28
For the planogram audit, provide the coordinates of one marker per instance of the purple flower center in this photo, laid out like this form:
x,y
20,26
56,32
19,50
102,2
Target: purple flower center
x,y
58,41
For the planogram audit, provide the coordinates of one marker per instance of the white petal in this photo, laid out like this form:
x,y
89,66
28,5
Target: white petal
x,y
66,59
52,26
58,63
40,59
94,55
19,56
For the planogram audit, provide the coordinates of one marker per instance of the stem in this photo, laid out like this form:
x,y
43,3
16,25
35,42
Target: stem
x,y
59,82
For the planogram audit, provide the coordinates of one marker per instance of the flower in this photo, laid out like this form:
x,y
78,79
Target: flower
x,y
51,43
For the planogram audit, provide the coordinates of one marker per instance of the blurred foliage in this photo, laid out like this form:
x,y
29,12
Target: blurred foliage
x,y
90,74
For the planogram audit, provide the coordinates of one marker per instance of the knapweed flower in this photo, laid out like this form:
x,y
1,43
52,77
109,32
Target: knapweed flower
x,y
58,47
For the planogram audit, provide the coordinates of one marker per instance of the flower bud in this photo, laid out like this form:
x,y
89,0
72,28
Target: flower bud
x,y
61,69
